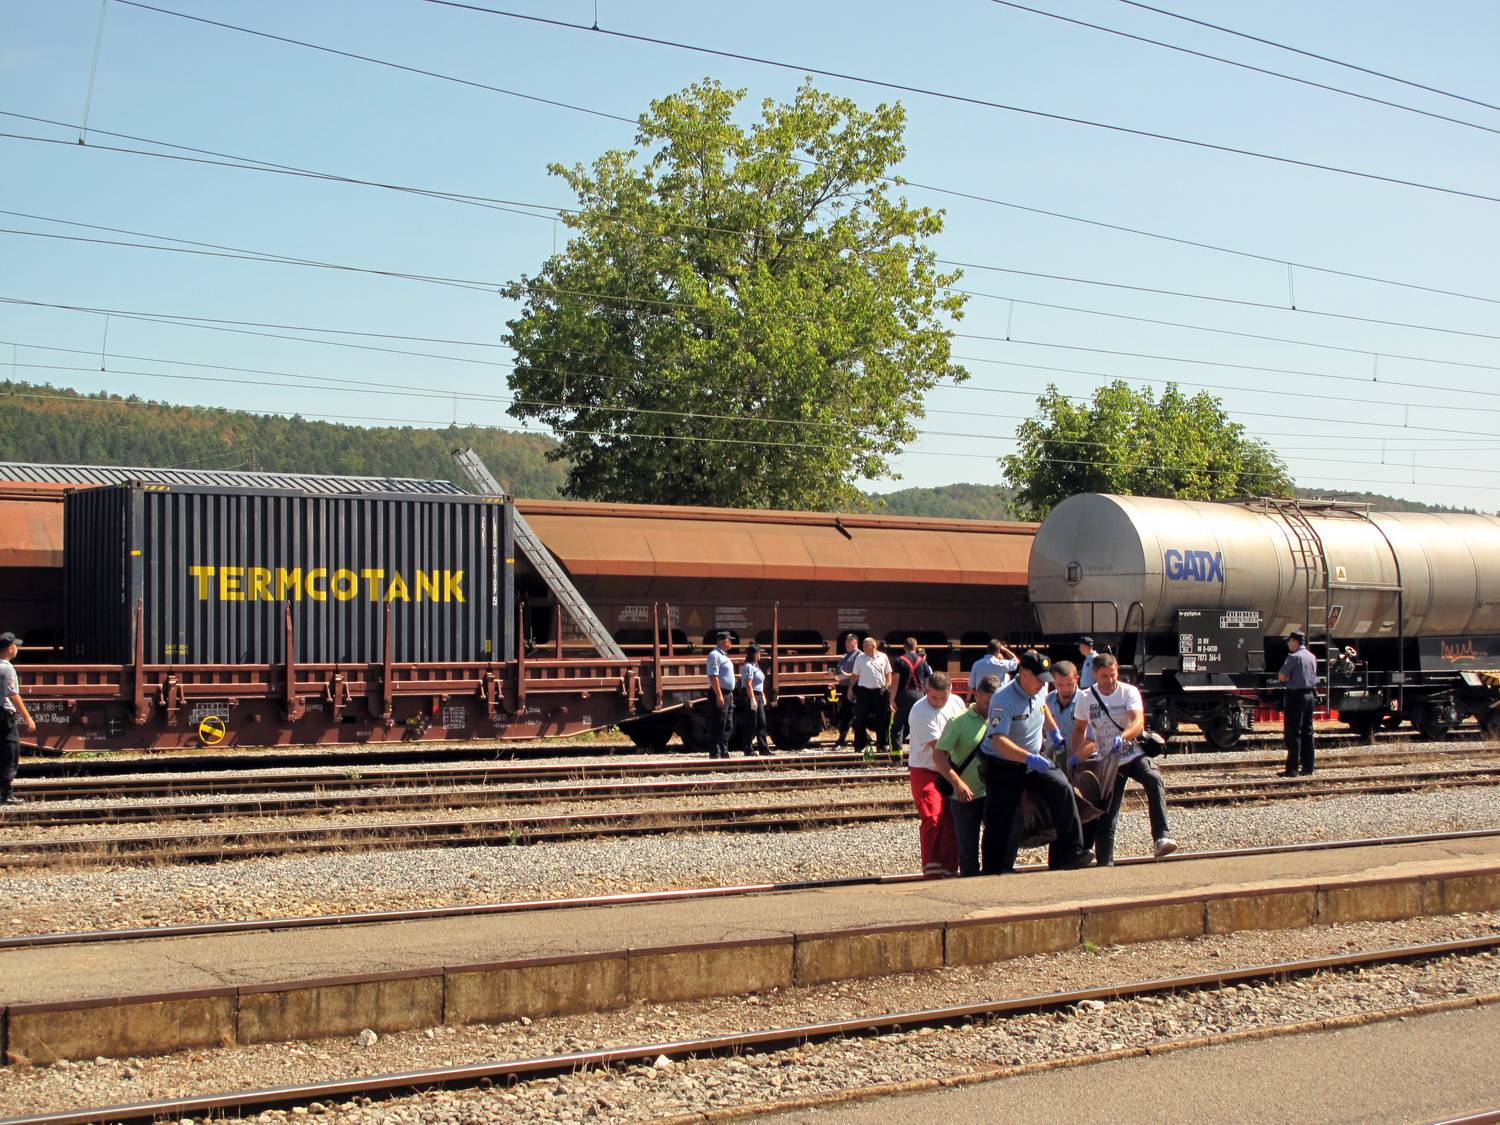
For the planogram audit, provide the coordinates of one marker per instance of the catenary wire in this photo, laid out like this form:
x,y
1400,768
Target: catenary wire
x,y
720,440
1309,54
253,164
428,391
965,99
1244,65
214,249
177,320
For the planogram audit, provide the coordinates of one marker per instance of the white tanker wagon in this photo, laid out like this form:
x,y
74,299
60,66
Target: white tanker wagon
x,y
1401,609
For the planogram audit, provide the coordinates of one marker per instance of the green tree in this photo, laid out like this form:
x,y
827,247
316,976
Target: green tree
x,y
1131,442
742,316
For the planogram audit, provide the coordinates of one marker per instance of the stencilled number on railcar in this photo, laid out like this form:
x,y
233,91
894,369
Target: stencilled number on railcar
x,y
455,716
50,711
208,710
1240,619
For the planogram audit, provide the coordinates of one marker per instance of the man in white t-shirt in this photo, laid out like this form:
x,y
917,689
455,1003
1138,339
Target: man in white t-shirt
x,y
925,723
872,697
1108,719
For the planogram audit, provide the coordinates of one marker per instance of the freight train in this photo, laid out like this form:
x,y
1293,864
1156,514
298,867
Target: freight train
x,y
233,609
1402,610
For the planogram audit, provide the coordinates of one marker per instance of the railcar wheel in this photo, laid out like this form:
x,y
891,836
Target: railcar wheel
x,y
1363,727
1391,722
1490,724
1433,722
651,733
696,734
1221,733
793,728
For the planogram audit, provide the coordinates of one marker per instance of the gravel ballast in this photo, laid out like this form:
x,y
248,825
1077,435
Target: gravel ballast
x,y
38,902
644,1092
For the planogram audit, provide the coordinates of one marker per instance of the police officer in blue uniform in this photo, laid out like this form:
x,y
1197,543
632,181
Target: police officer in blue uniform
x,y
1012,763
753,684
720,696
1299,672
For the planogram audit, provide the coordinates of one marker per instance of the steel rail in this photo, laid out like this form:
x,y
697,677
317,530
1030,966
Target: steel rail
x,y
262,842
526,906
316,781
448,794
65,767
515,1070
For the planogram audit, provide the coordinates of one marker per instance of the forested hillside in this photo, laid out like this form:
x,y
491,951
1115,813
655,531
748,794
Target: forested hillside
x,y
949,501
59,426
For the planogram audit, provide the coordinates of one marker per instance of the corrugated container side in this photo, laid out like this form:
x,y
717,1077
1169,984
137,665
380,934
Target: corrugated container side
x,y
217,569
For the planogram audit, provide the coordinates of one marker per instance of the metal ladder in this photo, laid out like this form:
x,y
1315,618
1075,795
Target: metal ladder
x,y
541,559
1308,556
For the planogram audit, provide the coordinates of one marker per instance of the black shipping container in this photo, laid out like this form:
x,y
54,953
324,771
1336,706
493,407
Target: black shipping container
x,y
214,569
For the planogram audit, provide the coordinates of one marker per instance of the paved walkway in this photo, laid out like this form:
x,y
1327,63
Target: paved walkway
x,y
1420,1070
215,961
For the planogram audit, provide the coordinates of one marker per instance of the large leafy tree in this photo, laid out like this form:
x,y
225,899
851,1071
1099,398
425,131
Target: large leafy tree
x,y
1133,442
744,316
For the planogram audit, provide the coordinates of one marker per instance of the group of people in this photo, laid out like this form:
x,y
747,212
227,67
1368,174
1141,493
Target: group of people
x,y
1028,729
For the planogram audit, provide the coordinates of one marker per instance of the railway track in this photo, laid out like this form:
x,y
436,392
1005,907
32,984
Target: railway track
x,y
321,921
510,1071
471,789
219,845
318,781
84,771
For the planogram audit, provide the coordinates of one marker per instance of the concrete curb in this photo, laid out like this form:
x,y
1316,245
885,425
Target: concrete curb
x,y
121,1026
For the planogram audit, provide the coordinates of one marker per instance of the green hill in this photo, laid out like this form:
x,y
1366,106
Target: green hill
x,y
59,426
949,501
1378,502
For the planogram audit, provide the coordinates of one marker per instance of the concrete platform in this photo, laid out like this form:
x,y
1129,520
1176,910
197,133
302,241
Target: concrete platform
x,y
130,998
1422,1069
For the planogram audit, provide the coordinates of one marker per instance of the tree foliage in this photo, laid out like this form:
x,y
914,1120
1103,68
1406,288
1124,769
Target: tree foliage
x,y
1128,441
61,427
743,316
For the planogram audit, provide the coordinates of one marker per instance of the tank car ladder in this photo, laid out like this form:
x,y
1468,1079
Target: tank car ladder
x,y
540,558
1309,556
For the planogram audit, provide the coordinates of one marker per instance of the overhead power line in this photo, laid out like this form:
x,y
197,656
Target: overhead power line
x,y
716,439
220,250
1243,65
1310,54
212,158
945,95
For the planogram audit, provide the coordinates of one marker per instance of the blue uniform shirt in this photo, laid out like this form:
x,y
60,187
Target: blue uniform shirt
x,y
752,677
1064,715
1301,669
988,665
1017,716
1086,672
722,668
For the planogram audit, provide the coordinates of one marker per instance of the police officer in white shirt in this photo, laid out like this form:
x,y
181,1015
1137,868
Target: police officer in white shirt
x,y
753,684
1109,719
720,697
872,697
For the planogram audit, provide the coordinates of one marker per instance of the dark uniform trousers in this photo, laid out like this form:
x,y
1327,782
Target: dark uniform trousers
x,y
754,731
843,713
10,752
1298,729
1005,783
721,725
1102,830
905,700
968,819
872,709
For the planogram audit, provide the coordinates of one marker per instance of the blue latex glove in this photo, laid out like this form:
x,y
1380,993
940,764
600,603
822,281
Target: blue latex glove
x,y
1057,738
1038,763
1117,745
1072,761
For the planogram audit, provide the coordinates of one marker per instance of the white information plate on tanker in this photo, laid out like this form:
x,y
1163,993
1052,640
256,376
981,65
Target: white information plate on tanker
x,y
1220,640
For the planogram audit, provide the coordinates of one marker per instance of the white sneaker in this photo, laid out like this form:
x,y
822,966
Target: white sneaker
x,y
1164,846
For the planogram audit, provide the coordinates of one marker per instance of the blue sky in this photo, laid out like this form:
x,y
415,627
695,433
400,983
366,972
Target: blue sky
x,y
171,80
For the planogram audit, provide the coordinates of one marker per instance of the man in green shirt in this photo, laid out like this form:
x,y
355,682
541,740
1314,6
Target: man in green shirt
x,y
956,760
